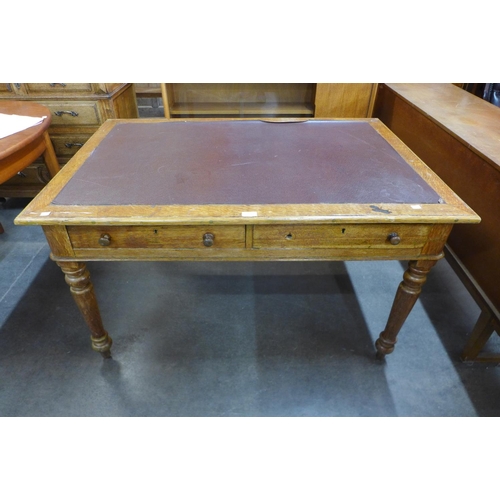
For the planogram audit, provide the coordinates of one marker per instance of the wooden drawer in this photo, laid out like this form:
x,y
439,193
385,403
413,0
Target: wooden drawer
x,y
76,113
36,173
158,236
339,236
58,88
6,89
68,145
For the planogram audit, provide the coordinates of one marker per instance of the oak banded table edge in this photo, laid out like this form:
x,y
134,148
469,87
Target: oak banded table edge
x,y
42,214
41,211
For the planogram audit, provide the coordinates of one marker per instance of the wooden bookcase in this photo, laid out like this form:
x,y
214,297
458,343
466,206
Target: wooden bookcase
x,y
301,100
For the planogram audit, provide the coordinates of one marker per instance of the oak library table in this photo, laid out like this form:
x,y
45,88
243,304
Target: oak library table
x,y
250,190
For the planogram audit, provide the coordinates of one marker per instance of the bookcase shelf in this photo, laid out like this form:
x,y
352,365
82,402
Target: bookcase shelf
x,y
211,109
301,100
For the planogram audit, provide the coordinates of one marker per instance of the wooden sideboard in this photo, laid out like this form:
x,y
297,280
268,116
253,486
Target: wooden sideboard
x,y
307,100
457,135
77,111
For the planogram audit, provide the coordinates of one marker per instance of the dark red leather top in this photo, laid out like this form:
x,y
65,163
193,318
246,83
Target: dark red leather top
x,y
244,162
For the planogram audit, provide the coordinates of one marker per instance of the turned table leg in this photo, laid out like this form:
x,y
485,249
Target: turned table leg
x,y
406,296
78,279
49,156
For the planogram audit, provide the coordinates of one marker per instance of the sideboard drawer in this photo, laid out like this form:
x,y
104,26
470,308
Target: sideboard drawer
x,y
68,145
157,236
76,113
47,88
340,236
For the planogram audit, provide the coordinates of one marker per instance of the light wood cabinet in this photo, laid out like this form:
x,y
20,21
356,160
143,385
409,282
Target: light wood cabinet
x,y
77,110
301,100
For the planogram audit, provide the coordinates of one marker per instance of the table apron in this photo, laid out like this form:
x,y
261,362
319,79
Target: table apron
x,y
248,242
82,255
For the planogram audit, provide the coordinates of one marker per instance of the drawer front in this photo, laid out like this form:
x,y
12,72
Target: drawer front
x,y
179,237
36,174
58,88
68,145
75,113
340,236
7,89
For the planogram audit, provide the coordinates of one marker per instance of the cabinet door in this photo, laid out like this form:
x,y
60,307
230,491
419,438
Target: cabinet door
x,y
344,100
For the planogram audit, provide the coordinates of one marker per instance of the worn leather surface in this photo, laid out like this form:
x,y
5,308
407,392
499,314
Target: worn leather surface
x,y
244,162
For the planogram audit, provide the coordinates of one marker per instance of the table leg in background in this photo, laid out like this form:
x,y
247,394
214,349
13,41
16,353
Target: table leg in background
x,y
78,279
49,156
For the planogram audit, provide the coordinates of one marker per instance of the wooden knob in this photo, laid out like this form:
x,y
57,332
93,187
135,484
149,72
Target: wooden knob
x,y
105,240
394,239
208,239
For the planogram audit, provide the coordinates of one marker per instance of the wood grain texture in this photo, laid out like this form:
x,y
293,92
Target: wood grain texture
x,y
82,290
344,100
59,242
157,236
406,297
464,116
339,236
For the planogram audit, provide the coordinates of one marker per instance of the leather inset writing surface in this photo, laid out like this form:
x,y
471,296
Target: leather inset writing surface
x,y
244,162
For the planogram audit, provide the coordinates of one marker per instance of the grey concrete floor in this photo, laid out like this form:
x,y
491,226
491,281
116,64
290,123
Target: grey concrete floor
x,y
232,339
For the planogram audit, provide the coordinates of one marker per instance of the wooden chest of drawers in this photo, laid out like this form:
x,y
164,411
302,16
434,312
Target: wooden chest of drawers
x,y
77,111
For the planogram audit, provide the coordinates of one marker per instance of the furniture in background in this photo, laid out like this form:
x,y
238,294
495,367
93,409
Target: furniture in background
x,y
76,110
237,190
147,90
457,134
492,93
306,100
488,91
19,150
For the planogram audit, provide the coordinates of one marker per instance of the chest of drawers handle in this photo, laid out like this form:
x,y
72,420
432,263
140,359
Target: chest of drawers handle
x,y
54,84
72,113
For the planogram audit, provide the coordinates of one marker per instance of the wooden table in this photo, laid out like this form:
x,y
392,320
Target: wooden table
x,y
20,150
246,190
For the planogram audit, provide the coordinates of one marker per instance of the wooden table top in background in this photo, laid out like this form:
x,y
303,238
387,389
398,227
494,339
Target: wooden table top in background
x,y
470,119
13,143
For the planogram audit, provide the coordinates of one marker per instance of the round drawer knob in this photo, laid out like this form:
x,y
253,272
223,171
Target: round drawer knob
x,y
105,240
208,239
394,239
